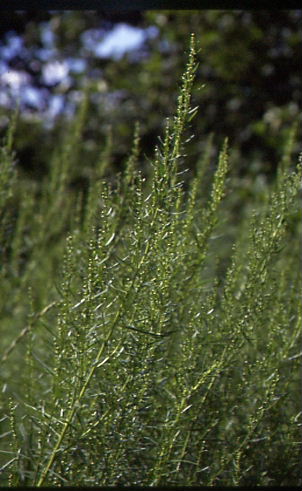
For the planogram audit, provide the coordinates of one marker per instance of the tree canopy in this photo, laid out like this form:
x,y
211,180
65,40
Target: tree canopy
x,y
248,83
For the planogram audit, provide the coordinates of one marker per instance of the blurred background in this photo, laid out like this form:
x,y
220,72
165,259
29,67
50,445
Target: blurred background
x,y
129,64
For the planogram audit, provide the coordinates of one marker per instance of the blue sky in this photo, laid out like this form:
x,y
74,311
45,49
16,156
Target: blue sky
x,y
15,84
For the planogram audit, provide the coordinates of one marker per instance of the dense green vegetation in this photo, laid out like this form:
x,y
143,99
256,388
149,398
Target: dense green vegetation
x,y
150,323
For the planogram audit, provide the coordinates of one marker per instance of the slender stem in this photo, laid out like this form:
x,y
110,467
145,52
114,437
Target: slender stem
x,y
76,404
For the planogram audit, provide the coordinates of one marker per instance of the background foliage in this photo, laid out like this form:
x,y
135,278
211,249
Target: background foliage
x,y
248,82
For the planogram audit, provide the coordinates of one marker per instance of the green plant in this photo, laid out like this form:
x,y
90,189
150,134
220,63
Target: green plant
x,y
146,338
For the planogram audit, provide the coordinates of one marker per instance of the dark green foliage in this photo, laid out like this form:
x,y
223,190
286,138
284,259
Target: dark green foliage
x,y
247,83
